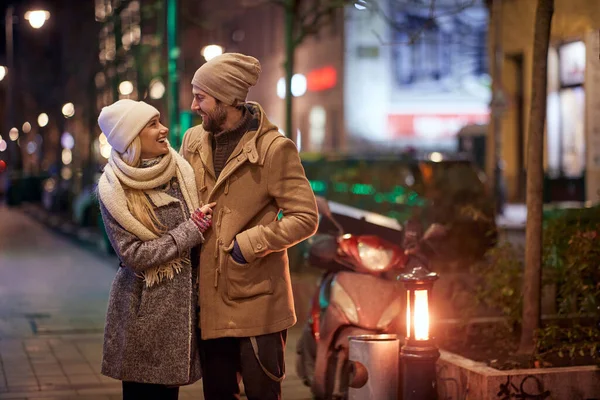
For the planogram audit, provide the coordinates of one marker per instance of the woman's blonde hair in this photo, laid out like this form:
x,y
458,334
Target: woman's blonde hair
x,y
137,202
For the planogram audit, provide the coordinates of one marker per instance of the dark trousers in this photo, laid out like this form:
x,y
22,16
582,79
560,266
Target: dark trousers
x,y
148,391
226,360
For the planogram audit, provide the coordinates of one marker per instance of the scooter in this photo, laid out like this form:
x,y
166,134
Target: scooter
x,y
359,293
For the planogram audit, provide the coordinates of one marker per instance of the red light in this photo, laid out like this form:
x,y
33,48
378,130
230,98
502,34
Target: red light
x,y
2,166
321,79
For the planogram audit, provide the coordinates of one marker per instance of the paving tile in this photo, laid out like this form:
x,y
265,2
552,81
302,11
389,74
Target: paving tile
x,y
41,357
51,383
47,369
19,374
96,367
106,381
23,388
36,345
77,368
70,356
16,371
14,359
81,380
13,365
12,382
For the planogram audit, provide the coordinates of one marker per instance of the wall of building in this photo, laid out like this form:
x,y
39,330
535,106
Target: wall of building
x,y
413,82
573,20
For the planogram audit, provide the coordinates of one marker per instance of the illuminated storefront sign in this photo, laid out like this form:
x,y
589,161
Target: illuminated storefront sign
x,y
432,125
321,79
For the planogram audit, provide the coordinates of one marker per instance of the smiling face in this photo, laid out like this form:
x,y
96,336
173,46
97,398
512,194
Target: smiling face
x,y
212,111
153,139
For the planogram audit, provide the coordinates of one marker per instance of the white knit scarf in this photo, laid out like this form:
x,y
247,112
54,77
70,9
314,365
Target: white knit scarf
x,y
117,175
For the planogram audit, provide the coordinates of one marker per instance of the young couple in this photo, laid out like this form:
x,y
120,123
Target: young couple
x,y
203,287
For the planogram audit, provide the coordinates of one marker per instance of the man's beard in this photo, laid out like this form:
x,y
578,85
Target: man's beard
x,y
215,119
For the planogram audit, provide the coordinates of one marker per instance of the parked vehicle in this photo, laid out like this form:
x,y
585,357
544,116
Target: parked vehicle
x,y
359,292
442,189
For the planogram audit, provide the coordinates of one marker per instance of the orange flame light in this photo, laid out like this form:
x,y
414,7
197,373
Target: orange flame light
x,y
421,315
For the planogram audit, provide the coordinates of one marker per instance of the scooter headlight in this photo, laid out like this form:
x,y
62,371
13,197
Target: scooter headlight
x,y
375,259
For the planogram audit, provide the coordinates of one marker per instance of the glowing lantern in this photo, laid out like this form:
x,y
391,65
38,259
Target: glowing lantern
x,y
419,354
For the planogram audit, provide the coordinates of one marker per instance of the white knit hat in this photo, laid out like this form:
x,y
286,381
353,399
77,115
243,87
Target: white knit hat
x,y
123,120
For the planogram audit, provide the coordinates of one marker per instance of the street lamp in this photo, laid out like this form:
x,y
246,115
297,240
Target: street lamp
x,y
37,18
3,72
419,353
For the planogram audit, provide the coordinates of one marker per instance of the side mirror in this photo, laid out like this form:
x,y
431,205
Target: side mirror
x,y
323,207
325,211
435,231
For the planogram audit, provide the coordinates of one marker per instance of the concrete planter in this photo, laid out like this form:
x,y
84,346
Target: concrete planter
x,y
462,378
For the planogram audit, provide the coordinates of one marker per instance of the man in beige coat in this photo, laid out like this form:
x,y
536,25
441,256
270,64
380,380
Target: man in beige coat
x,y
253,173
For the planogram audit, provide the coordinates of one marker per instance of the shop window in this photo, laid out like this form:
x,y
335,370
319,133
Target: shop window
x,y
566,111
447,48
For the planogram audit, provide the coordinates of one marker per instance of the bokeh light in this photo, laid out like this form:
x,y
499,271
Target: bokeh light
x,y
37,18
105,150
67,141
66,173
26,127
43,119
67,156
13,134
211,51
157,89
31,147
126,88
68,110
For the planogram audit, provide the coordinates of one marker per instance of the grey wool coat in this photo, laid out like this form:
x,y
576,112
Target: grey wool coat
x,y
150,334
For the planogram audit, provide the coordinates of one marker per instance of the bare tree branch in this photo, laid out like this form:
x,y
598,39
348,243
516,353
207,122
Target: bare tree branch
x,y
313,21
416,34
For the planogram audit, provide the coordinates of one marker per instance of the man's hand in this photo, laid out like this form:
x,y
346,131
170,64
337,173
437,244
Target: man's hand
x,y
237,255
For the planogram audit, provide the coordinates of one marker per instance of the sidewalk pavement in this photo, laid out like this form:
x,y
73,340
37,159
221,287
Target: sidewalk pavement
x,y
53,296
68,367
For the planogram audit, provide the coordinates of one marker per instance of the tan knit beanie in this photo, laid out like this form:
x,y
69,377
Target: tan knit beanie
x,y
228,77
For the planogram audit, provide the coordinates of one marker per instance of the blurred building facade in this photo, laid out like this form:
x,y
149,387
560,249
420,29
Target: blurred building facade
x,y
52,67
572,140
413,80
371,78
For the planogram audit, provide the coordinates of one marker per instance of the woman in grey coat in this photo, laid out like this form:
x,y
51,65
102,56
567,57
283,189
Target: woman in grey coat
x,y
150,209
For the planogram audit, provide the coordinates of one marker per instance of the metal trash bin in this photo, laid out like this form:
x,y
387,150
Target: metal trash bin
x,y
374,367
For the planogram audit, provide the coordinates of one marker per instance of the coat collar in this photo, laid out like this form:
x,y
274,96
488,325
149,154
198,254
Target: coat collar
x,y
201,141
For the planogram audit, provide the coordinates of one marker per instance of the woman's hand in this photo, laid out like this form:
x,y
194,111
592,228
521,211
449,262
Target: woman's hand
x,y
202,217
207,208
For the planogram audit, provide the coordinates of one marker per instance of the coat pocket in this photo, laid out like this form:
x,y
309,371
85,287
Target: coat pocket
x,y
247,280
